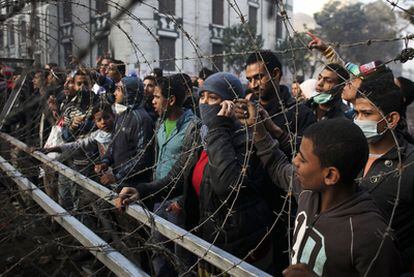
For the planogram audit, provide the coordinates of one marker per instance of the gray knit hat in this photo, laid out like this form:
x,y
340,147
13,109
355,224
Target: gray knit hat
x,y
224,84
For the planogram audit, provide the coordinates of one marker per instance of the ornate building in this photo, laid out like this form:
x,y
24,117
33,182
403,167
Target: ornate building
x,y
177,35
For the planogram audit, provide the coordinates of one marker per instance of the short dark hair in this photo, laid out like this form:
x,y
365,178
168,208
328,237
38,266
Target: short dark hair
x,y
102,107
157,72
383,93
120,66
150,77
172,86
407,90
205,73
339,143
340,71
185,79
271,61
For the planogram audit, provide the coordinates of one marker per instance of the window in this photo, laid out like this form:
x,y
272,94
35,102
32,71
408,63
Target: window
x,y
253,17
11,33
67,51
279,26
37,27
166,7
101,7
218,10
167,53
103,47
8,5
1,39
23,31
217,61
67,11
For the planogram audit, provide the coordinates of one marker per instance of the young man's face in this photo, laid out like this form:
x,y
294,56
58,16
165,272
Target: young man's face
x,y
149,87
104,121
113,73
51,79
119,94
260,82
308,167
37,80
104,67
69,87
365,110
159,102
80,82
200,82
326,81
350,90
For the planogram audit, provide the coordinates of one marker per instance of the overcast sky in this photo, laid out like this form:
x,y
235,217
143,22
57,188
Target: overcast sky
x,y
312,6
308,7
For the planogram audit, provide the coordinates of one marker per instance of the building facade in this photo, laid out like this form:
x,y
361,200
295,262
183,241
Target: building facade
x,y
176,35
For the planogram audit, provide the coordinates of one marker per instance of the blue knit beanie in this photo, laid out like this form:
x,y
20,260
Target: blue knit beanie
x,y
224,84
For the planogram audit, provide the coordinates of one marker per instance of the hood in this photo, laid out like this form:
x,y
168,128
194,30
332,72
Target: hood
x,y
358,204
133,89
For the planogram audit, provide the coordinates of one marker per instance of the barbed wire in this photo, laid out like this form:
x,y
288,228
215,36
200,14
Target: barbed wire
x,y
406,55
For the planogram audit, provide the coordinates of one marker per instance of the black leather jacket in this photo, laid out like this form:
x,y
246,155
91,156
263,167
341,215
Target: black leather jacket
x,y
382,181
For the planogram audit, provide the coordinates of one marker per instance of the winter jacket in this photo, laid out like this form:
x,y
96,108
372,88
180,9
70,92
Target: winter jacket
x,y
169,149
341,241
225,188
337,110
80,105
226,151
131,153
382,181
296,115
172,184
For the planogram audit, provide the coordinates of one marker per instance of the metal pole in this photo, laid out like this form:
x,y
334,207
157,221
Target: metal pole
x,y
111,258
196,245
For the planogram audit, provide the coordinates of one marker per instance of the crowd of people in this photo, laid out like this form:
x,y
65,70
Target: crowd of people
x,y
308,179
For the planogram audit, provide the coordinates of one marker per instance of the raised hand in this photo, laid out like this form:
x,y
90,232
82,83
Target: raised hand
x,y
227,108
316,42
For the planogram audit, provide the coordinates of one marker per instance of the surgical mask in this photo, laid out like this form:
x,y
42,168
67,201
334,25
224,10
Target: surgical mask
x,y
208,113
370,129
322,98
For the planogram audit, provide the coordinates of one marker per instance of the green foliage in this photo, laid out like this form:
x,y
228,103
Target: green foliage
x,y
240,38
358,22
300,62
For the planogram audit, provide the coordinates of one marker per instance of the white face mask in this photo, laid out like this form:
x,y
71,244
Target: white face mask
x,y
370,129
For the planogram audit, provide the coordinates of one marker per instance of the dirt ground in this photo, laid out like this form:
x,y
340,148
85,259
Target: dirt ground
x,y
31,245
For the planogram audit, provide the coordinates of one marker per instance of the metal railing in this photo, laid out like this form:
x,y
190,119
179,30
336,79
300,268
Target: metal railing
x,y
203,249
111,258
